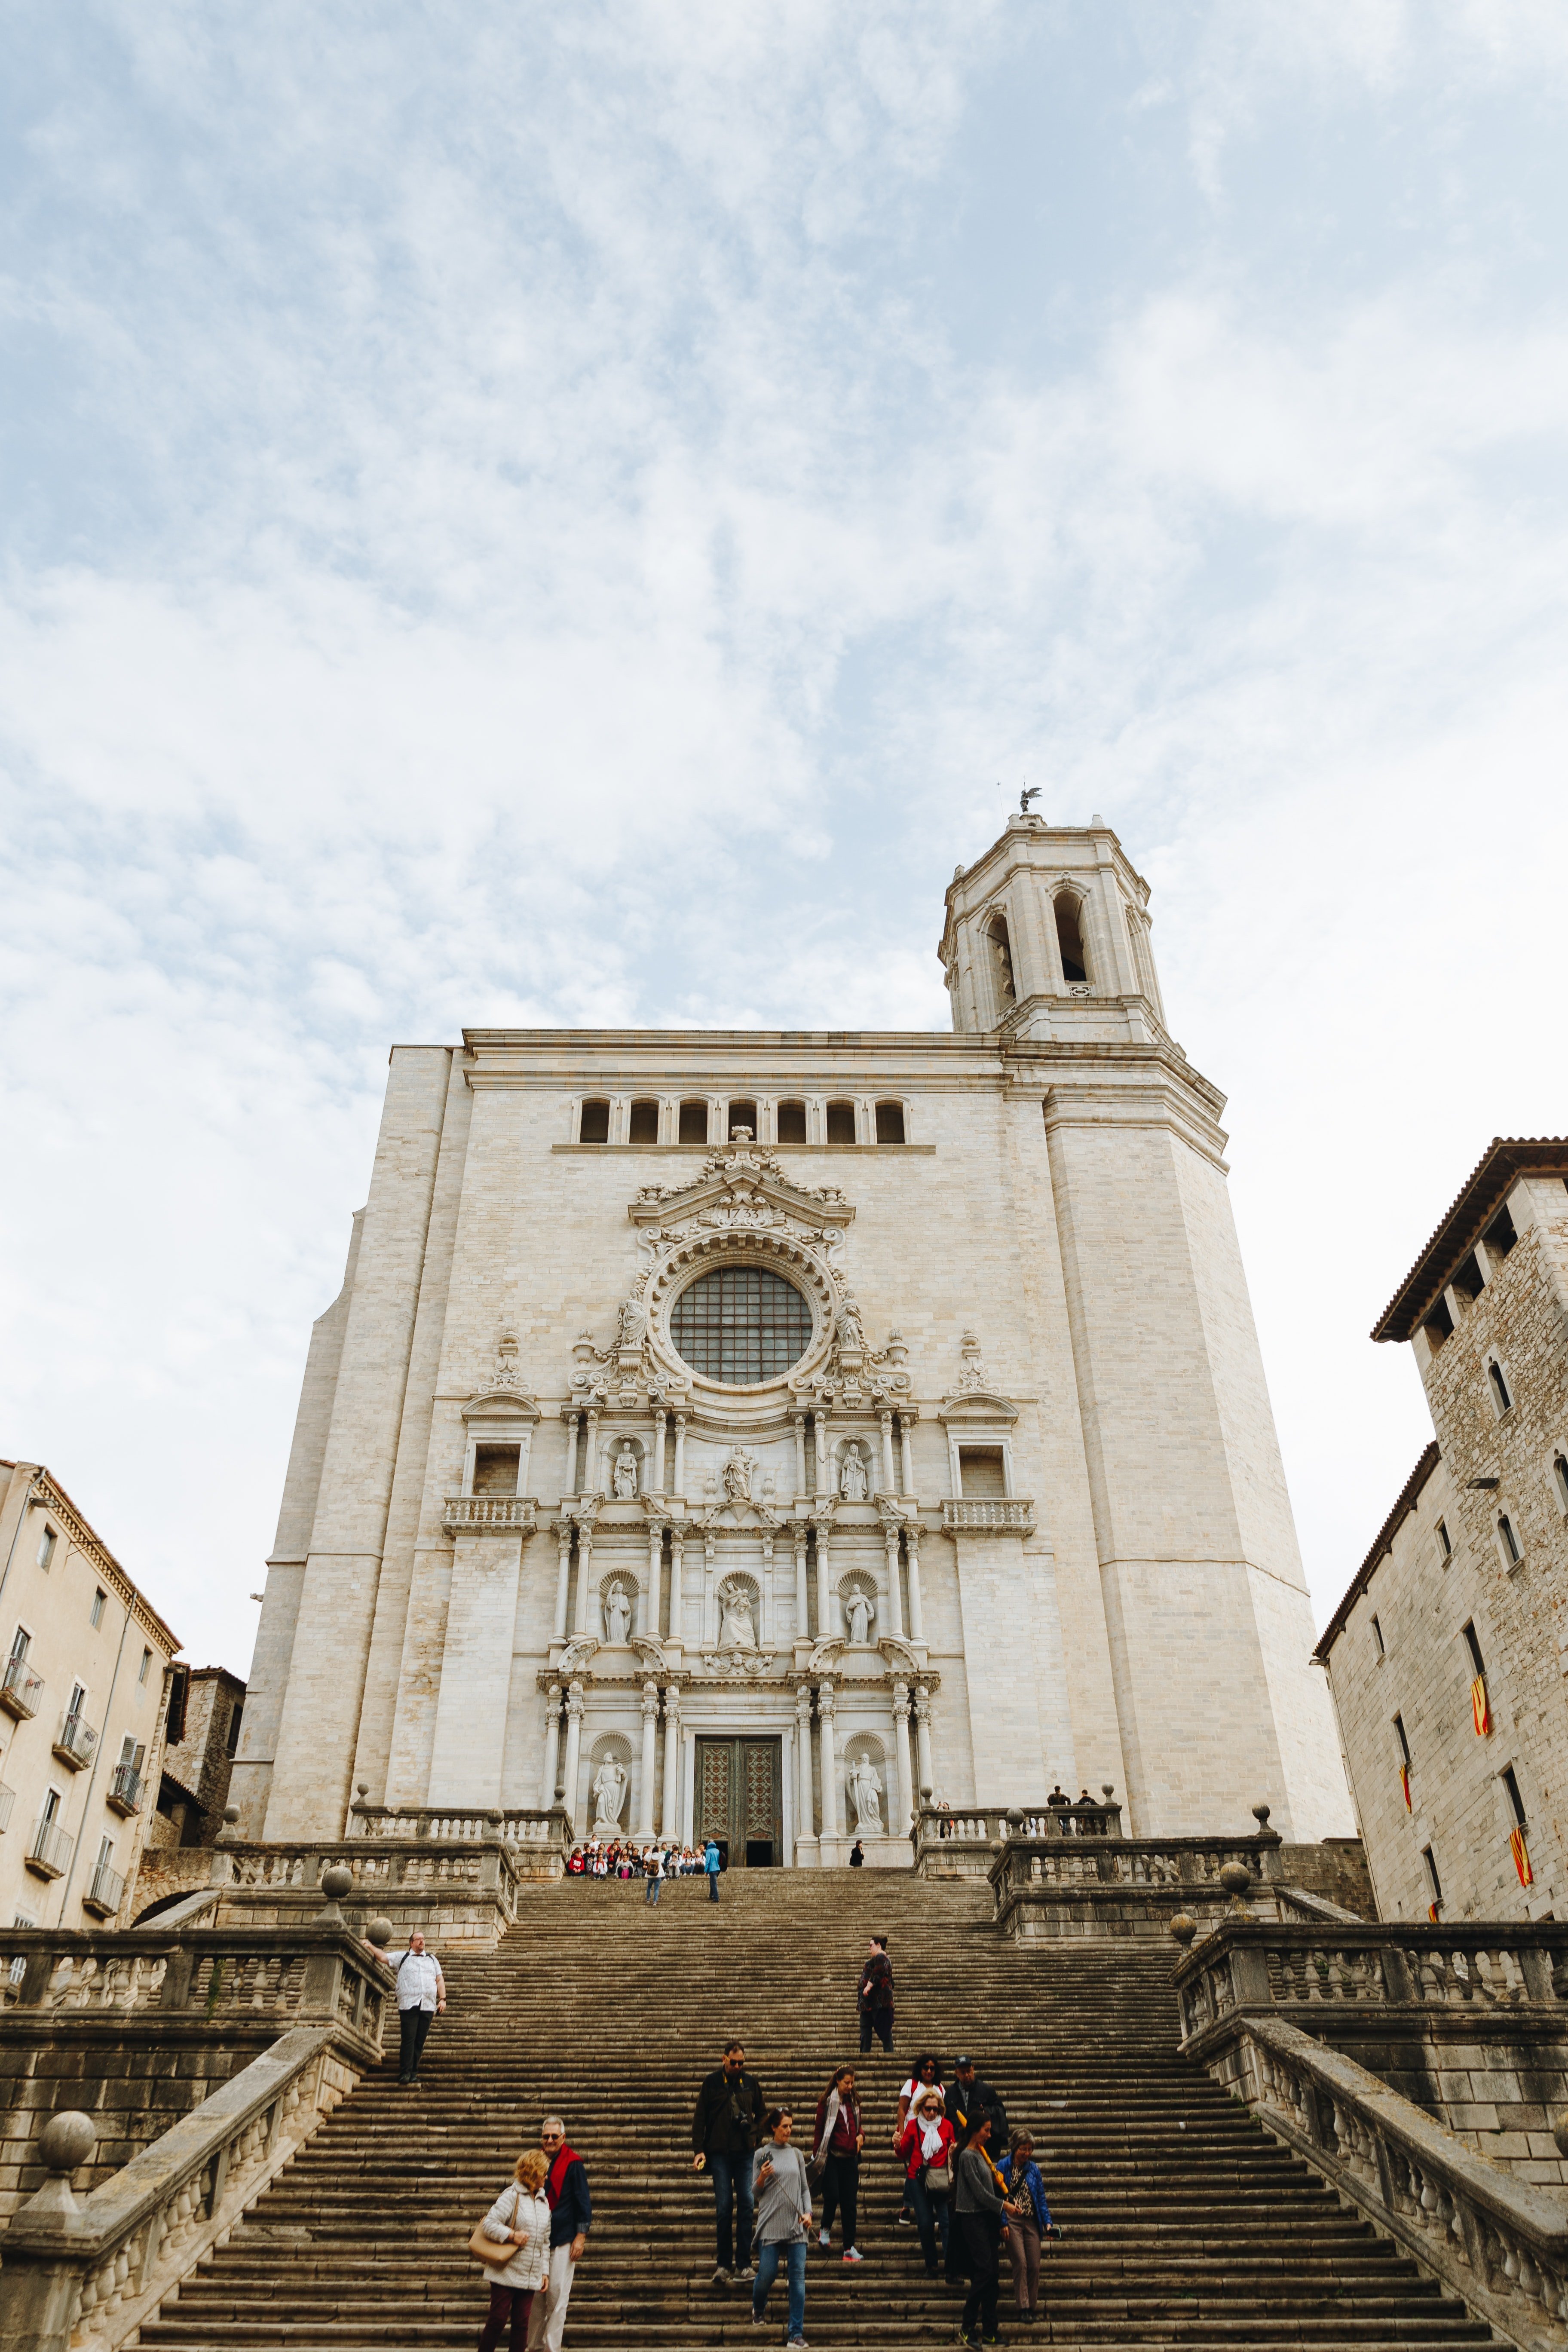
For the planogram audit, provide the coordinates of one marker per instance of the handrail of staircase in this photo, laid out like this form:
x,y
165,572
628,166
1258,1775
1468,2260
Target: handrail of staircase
x,y
86,2275
1290,1967
990,1824
1498,2242
1027,1860
531,1825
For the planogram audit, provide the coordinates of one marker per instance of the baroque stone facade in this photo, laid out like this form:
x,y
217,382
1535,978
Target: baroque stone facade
x,y
1447,1656
746,1431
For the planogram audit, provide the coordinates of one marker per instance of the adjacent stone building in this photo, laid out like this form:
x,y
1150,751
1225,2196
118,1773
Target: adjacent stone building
x,y
742,1433
1447,1654
82,1696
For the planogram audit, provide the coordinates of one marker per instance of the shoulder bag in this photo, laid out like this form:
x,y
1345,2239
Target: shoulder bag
x,y
939,2178
488,2250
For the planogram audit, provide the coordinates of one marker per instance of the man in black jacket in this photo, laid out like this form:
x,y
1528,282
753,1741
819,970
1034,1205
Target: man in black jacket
x,y
725,2131
968,2095
874,1997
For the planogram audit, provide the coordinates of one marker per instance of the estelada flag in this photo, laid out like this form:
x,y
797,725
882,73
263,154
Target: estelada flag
x,y
1479,1707
1404,1784
1432,1911
1521,1853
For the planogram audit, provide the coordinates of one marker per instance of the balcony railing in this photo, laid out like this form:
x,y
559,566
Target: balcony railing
x,y
20,1689
7,1799
75,1742
494,1513
107,1892
123,1794
1014,1517
51,1851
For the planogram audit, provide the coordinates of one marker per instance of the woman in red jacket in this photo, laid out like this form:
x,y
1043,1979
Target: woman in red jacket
x,y
926,2144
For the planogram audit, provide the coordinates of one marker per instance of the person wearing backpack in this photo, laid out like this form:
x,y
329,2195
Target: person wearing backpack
x,y
421,1995
519,2220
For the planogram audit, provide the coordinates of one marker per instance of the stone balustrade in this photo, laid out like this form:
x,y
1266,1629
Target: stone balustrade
x,y
1499,2242
1467,2020
963,1844
488,1513
86,2276
1014,1516
453,1874
546,1831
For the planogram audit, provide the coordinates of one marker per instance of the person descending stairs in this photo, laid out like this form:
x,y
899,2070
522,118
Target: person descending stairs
x,y
1184,2224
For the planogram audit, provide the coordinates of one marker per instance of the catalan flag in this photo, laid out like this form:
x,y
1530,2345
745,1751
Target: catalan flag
x,y
1521,1853
1432,1912
1479,1707
1404,1784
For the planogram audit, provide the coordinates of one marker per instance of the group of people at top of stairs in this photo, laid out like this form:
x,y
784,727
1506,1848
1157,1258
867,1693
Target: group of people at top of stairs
x,y
967,2184
619,1858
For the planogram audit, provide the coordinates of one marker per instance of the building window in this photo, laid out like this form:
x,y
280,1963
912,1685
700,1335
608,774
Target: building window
x,y
1445,1543
890,1122
99,1598
1438,1324
1433,1881
1377,1636
693,1123
1467,1278
593,1125
1403,1743
234,1723
1509,1541
841,1122
1477,1662
643,1127
1510,1787
741,1325
47,1543
495,1469
1500,1396
179,1693
742,1114
146,1664
792,1122
982,1473
21,1640
1001,961
1069,939
1500,1235
1560,1481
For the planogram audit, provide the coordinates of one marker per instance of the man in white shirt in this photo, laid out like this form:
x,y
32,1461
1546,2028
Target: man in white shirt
x,y
421,1992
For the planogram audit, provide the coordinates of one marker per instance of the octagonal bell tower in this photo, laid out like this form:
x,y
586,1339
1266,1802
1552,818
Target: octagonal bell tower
x,y
1047,936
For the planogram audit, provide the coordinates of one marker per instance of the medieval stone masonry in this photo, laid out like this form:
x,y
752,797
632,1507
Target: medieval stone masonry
x,y
1447,1656
744,1432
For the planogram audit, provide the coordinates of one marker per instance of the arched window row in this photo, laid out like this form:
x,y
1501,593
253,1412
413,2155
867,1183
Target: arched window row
x,y
653,1119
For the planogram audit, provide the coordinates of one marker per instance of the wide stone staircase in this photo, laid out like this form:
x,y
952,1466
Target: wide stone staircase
x,y
1184,2224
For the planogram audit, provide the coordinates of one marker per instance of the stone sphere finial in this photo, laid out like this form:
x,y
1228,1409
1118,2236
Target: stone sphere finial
x,y
231,1814
1108,1790
379,1933
1236,1878
362,1789
925,1793
1014,1820
1184,1929
66,2141
337,1882
1260,1815
1560,2132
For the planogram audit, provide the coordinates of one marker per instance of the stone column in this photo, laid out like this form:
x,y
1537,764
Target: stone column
x,y
563,1580
769,1633
901,1751
649,1742
676,1579
907,1452
710,1587
894,1597
680,1453
669,1811
805,1809
819,1421
802,1604
569,1415
799,1453
688,1774
552,1744
912,1547
649,1615
830,1828
923,1773
827,1623
574,1749
889,1487
589,1474
660,1422
584,1564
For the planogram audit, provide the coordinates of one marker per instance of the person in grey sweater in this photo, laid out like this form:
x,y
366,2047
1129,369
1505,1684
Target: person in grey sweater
x,y
979,2207
783,2197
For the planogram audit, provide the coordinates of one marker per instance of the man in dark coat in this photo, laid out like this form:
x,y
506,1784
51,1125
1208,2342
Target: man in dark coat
x,y
875,1998
725,2131
571,2218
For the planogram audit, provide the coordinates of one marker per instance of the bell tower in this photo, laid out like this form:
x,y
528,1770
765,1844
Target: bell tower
x,y
1047,936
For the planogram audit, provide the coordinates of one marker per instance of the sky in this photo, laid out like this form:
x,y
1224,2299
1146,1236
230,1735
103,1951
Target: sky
x,y
585,516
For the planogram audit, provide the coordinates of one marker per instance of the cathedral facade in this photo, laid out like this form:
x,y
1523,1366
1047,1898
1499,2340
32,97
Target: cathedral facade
x,y
744,1432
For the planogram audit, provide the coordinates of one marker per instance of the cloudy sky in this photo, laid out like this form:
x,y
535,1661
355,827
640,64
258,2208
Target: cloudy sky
x,y
576,515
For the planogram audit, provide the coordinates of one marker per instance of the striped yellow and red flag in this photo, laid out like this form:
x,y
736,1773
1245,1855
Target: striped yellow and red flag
x,y
1404,1784
1432,1911
1521,1853
1479,1707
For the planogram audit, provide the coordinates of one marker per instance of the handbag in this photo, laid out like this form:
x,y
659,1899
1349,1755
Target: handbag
x,y
939,2180
489,2249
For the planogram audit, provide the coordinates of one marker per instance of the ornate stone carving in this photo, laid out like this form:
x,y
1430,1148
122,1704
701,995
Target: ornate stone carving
x,y
611,1782
737,1621
577,1653
864,1791
624,1473
739,1468
972,1375
854,1479
857,1615
617,1615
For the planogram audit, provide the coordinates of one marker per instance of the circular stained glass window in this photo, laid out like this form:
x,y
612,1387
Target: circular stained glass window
x,y
741,1325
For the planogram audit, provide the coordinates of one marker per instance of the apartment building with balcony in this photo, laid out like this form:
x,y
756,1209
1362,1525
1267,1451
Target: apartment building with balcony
x,y
84,1683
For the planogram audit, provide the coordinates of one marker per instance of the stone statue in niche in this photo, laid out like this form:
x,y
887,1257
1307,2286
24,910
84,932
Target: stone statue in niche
x,y
851,1330
624,1475
617,1616
857,1615
865,1795
853,1482
610,1784
737,1627
737,1471
633,1324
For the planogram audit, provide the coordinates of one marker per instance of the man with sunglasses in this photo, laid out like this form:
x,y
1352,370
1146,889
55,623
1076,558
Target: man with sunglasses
x,y
571,2217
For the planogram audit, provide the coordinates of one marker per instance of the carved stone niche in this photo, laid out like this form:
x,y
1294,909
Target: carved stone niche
x,y
499,1422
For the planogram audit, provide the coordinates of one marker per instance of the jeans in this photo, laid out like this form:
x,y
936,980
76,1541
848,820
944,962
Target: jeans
x,y
519,2301
930,2218
882,2020
412,2025
840,2189
712,1886
650,1891
792,2251
733,2184
982,2235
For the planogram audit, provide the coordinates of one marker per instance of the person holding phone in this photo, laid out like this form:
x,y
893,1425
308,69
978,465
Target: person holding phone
x,y
782,2194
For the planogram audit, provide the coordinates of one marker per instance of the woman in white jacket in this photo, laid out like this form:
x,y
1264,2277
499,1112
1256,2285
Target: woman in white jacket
x,y
519,2217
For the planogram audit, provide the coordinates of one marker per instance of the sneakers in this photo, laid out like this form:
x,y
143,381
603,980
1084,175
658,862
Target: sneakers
x,y
759,2319
796,2344
743,2278
853,2254
821,2238
721,2277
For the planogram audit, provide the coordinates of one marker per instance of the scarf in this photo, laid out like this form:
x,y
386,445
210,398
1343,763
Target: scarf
x,y
930,2137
